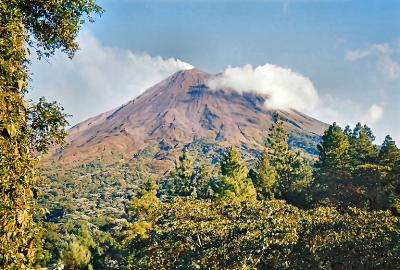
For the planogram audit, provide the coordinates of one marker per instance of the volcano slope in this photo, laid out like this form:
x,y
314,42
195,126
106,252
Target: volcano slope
x,y
178,111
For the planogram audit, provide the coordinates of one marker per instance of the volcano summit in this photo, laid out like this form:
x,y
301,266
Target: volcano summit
x,y
179,110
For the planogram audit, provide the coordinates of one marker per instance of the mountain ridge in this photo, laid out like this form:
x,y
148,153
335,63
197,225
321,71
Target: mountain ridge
x,y
177,111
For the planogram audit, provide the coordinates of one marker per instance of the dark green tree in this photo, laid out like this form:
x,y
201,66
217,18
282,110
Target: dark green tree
x,y
368,187
234,182
333,170
334,154
45,26
367,183
389,154
293,173
389,159
188,179
352,172
264,177
393,186
300,178
362,148
278,145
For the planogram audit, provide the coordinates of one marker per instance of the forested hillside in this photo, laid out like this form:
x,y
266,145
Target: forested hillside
x,y
222,209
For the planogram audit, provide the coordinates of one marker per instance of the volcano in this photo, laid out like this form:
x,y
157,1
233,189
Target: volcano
x,y
179,110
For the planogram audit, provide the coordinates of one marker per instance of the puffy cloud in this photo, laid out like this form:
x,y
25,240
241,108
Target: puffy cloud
x,y
388,61
99,78
374,113
290,90
286,89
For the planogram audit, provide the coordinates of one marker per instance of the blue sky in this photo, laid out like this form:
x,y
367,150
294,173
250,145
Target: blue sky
x,y
349,50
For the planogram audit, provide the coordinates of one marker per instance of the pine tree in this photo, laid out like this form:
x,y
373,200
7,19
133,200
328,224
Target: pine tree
x,y
362,149
366,185
348,131
184,176
334,154
292,172
301,172
278,145
234,183
389,154
189,180
393,180
333,184
264,177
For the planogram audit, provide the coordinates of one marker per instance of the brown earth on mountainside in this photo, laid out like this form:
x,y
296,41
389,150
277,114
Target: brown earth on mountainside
x,y
176,111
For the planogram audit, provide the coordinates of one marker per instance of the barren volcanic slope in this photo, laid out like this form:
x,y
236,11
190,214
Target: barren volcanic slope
x,y
177,111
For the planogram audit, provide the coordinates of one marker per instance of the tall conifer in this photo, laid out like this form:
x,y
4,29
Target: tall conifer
x,y
389,154
264,177
362,149
334,154
234,183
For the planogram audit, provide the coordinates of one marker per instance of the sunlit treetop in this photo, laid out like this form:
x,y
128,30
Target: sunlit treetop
x,y
51,24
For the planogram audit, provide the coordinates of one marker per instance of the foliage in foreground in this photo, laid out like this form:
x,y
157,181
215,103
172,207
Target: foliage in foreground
x,y
274,216
201,234
26,130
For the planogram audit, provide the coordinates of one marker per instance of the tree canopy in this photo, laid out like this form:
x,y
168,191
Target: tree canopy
x,y
26,130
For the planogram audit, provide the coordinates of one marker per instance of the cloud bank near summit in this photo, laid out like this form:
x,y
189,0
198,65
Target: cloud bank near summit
x,y
286,89
99,78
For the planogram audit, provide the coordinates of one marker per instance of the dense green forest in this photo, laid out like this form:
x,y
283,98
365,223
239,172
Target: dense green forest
x,y
217,209
220,209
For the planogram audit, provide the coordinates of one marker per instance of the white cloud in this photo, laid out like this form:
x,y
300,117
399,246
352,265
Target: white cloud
x,y
290,90
388,61
286,89
374,113
99,78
